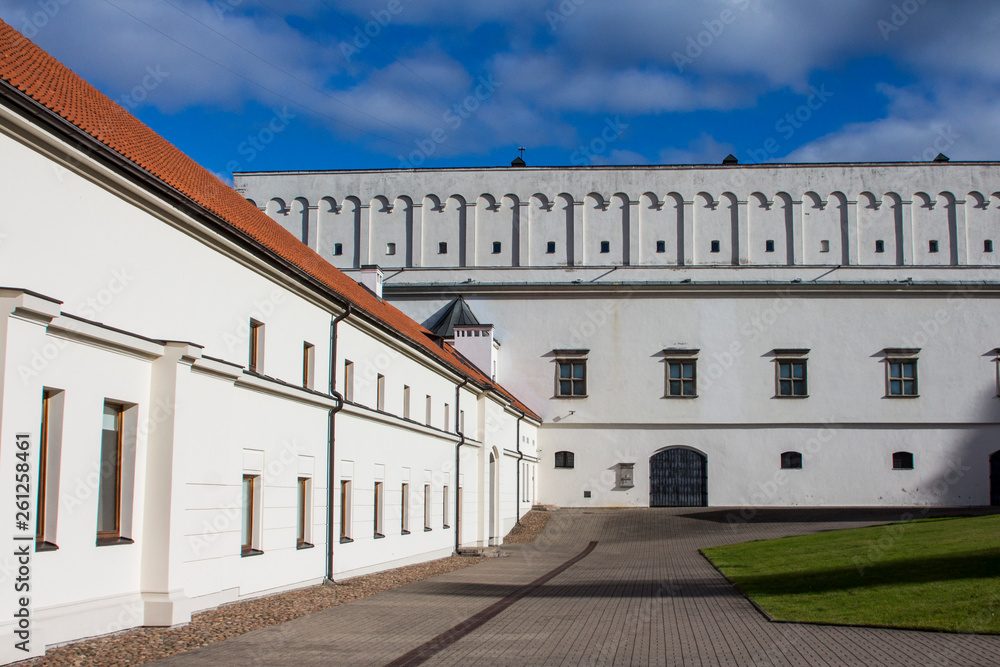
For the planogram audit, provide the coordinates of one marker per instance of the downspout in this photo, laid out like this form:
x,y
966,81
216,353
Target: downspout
x,y
520,457
331,439
458,461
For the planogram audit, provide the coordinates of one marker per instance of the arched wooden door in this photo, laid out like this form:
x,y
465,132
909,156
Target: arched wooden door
x,y
678,478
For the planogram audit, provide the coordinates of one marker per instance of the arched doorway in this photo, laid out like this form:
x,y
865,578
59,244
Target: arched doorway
x,y
995,479
678,477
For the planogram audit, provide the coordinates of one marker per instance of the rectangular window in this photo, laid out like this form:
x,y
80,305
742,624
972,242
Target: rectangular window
x,y
349,381
379,501
661,246
49,449
406,402
932,246
442,248
768,246
682,378
405,510
109,494
304,524
338,249
444,507
390,248
824,246
879,246
496,247
427,507
571,373
988,245
792,378
256,346
461,421
902,377
308,365
550,248
427,416
447,426
251,515
345,511
716,246
565,459
605,246
380,393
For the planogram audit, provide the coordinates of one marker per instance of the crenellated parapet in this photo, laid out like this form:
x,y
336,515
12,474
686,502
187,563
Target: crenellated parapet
x,y
912,214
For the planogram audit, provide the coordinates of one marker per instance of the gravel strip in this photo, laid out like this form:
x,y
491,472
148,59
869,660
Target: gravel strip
x,y
532,525
143,645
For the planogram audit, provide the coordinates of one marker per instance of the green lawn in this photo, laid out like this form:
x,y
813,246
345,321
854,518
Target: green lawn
x,y
939,574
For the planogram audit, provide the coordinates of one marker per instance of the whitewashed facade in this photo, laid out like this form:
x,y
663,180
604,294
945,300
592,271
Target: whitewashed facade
x,y
128,312
854,272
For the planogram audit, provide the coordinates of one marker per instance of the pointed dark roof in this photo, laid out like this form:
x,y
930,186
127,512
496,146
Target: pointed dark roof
x,y
444,321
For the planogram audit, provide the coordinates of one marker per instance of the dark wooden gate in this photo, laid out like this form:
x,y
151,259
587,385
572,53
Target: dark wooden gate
x,y
678,478
995,479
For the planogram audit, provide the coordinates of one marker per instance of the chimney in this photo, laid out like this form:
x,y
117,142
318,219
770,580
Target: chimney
x,y
371,277
476,343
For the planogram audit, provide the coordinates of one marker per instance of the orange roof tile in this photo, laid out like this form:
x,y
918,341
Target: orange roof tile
x,y
44,79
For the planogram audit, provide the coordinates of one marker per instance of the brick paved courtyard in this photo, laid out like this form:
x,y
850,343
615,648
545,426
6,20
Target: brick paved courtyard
x,y
642,595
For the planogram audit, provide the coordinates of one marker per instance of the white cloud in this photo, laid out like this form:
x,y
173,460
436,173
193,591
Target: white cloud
x,y
703,150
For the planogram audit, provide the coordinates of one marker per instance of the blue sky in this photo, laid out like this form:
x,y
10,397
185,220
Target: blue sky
x,y
251,85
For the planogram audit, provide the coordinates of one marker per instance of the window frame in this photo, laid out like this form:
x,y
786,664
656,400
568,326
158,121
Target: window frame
x,y
308,365
901,356
404,523
380,393
789,457
680,357
250,518
571,358
346,507
912,460
428,498
792,358
379,507
550,247
338,249
661,247
444,507
255,363
49,454
497,248
112,536
442,248
568,460
304,529
348,380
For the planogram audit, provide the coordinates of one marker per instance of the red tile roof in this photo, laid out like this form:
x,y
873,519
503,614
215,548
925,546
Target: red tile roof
x,y
47,81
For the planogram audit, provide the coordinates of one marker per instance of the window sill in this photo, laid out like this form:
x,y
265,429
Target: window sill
x,y
345,540
903,469
379,536
571,397
564,467
682,398
112,541
902,396
245,553
304,545
791,397
427,530
446,526
45,546
404,532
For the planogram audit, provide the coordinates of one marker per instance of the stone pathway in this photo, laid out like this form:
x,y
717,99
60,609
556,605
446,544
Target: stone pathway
x,y
643,595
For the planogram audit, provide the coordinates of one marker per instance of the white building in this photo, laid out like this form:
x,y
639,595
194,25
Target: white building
x,y
196,408
743,335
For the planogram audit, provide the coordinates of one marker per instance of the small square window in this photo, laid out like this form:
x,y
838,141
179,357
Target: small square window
x,y
768,246
902,461
824,246
496,247
716,246
988,245
880,246
442,248
565,460
792,378
681,378
902,377
571,377
661,246
605,246
586,494
932,246
550,248
338,249
390,248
